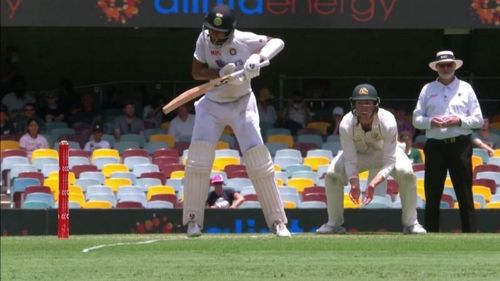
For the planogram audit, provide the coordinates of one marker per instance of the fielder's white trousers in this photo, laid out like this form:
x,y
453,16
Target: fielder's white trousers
x,y
336,178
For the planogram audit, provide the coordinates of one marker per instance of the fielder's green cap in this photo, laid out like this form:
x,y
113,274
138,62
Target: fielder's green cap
x,y
364,92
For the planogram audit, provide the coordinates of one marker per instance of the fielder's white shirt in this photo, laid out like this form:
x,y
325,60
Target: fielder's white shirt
x,y
235,50
381,137
457,98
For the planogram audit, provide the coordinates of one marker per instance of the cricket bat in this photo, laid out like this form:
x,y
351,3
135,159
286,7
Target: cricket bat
x,y
197,91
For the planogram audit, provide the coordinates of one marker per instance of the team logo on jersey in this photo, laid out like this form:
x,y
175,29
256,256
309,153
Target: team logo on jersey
x,y
363,91
214,52
232,51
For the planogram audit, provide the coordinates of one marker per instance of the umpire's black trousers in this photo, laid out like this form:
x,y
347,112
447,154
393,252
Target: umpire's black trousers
x,y
453,155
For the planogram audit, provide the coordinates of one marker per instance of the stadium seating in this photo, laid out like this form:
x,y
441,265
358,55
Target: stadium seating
x,y
98,204
168,139
320,125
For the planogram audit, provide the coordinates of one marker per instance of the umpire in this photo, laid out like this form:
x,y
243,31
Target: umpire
x,y
447,109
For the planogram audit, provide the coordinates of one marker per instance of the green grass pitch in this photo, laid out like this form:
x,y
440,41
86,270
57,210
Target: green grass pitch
x,y
389,256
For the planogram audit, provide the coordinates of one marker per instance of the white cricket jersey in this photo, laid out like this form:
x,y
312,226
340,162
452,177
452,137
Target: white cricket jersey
x,y
381,137
457,98
235,50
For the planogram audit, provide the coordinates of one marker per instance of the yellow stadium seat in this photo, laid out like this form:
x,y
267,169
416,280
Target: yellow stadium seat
x,y
477,205
493,205
168,139
421,192
9,144
289,205
482,190
348,204
222,145
315,161
165,125
228,131
447,182
52,183
177,175
160,189
476,161
422,154
497,152
110,168
222,161
115,183
495,125
286,139
320,125
105,152
277,168
44,152
280,182
72,189
77,197
300,183
97,204
364,175
71,176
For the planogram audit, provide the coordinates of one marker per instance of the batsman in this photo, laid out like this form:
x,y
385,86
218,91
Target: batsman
x,y
220,50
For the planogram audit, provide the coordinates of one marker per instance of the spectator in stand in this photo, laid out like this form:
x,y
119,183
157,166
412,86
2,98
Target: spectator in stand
x,y
403,124
17,96
406,137
96,140
338,113
183,123
29,112
6,126
297,114
223,198
267,112
52,110
486,136
152,114
128,123
86,112
32,139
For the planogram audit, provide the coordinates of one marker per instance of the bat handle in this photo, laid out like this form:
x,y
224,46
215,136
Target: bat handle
x,y
242,71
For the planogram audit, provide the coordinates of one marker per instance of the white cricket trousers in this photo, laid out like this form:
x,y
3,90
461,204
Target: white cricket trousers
x,y
242,115
336,179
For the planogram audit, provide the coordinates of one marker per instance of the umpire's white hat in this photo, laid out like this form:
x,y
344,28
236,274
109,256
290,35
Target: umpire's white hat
x,y
445,56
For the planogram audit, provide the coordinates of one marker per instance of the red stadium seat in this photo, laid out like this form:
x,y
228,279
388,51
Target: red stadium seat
x,y
77,169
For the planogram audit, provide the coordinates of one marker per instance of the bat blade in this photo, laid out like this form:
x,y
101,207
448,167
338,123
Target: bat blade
x,y
197,91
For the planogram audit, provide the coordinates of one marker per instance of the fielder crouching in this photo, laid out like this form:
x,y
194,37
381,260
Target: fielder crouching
x,y
368,135
220,50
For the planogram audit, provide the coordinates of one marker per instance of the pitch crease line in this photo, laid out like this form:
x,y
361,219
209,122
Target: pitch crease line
x,y
86,250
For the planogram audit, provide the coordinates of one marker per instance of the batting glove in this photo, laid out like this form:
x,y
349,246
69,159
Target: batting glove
x,y
252,66
227,69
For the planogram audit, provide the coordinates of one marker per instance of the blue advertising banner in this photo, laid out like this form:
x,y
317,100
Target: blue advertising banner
x,y
376,14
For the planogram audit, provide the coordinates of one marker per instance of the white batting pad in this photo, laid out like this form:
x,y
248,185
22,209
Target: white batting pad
x,y
197,181
260,170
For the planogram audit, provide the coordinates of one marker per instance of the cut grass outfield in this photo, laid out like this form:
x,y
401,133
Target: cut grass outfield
x,y
253,257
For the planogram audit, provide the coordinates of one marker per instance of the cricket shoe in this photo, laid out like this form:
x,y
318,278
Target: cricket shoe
x,y
193,229
279,228
414,229
330,229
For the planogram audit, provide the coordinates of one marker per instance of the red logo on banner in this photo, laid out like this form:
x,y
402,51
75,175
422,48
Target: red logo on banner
x,y
487,10
13,5
119,13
